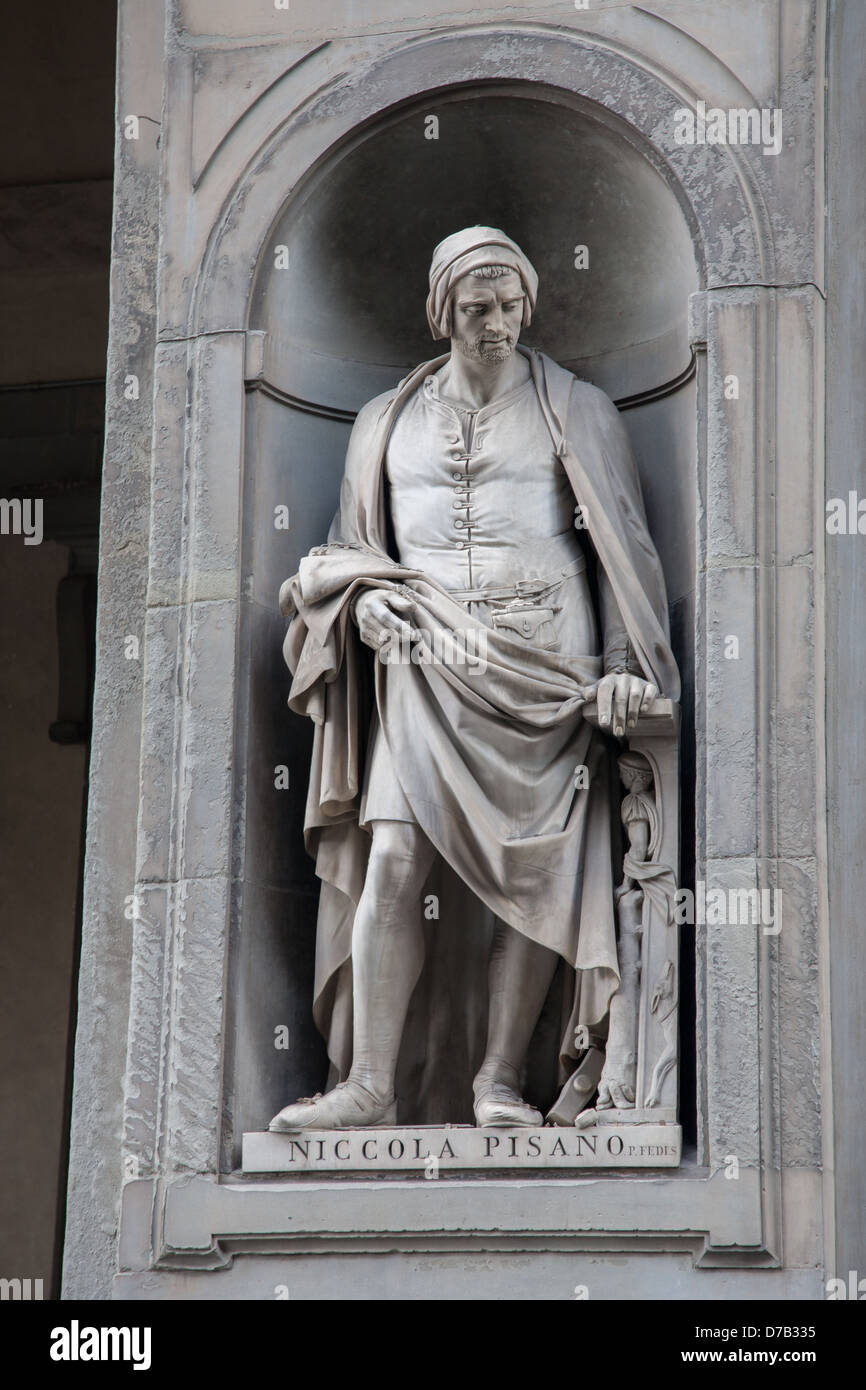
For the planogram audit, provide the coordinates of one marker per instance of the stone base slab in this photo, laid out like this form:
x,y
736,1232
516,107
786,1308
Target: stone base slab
x,y
435,1149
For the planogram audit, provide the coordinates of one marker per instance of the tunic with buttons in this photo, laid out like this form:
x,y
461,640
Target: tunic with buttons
x,y
480,501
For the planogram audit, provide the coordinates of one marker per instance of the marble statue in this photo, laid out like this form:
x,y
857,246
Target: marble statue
x,y
491,536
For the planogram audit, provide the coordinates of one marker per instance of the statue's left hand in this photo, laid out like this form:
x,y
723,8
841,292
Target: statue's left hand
x,y
621,698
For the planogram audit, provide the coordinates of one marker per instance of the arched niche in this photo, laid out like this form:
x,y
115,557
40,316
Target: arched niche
x,y
342,321
344,317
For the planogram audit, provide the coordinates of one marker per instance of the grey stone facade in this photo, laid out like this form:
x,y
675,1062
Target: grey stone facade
x,y
274,126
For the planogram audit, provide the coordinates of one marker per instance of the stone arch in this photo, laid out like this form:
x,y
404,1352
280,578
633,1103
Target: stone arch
x,y
714,184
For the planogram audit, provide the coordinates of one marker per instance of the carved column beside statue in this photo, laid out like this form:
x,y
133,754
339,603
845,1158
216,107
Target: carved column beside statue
x,y
644,1012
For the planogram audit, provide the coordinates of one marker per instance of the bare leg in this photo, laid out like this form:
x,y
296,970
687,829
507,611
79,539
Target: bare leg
x,y
519,978
387,956
387,950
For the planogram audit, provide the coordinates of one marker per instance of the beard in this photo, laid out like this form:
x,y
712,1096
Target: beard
x,y
482,350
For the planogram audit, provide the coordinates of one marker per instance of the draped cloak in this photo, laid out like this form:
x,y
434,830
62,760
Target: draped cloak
x,y
463,740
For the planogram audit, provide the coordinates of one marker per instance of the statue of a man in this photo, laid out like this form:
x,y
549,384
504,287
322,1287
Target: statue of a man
x,y
478,498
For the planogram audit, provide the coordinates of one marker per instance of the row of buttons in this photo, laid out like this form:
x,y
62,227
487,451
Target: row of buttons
x,y
462,502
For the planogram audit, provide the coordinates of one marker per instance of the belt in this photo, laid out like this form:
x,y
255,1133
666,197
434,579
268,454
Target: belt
x,y
524,588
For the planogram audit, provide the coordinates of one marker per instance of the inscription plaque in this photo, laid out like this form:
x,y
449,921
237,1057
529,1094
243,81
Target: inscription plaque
x,y
438,1149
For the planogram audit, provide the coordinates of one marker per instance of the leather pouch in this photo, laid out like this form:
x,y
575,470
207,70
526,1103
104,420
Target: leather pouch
x,y
530,621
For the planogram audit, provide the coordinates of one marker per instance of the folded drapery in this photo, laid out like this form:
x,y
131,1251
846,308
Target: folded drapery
x,y
486,757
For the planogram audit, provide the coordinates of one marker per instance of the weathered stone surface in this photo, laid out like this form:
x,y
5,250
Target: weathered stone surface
x,y
255,98
842,858
731,735
469,1276
95,1171
733,1022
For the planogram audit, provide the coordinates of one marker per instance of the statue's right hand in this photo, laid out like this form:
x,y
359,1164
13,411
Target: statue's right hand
x,y
380,612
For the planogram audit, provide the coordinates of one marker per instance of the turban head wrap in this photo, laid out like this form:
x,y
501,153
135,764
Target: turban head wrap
x,y
469,250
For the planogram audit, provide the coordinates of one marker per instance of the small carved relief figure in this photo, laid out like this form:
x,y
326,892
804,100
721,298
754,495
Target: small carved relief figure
x,y
639,816
643,877
664,1005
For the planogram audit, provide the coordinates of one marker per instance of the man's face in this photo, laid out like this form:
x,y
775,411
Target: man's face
x,y
487,316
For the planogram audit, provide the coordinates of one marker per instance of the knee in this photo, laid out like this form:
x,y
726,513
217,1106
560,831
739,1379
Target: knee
x,y
396,839
398,861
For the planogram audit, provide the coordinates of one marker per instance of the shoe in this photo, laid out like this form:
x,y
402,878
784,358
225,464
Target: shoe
x,y
349,1106
501,1107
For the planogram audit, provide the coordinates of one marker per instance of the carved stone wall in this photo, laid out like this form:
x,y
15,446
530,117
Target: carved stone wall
x,y
264,112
